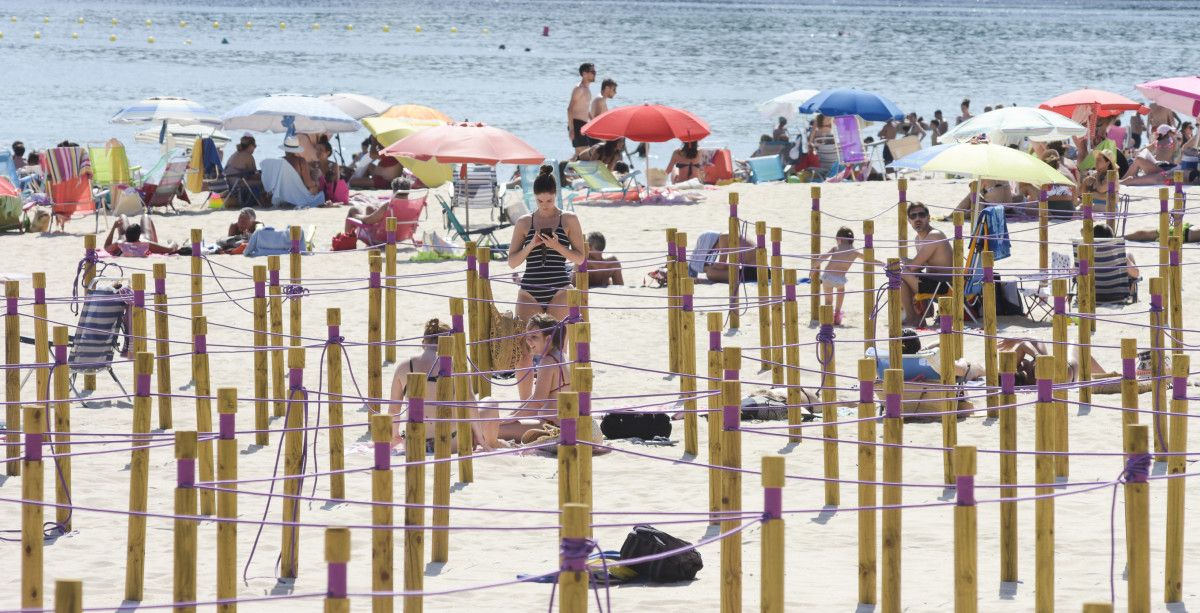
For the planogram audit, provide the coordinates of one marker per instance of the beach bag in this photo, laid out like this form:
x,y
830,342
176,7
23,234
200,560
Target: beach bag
x,y
645,426
1008,299
344,242
508,344
645,541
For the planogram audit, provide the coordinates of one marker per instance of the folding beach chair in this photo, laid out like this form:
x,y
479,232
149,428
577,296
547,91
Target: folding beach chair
x,y
214,171
600,180
162,193
8,168
407,212
10,207
527,174
852,163
68,173
1039,301
477,190
766,169
1111,268
483,236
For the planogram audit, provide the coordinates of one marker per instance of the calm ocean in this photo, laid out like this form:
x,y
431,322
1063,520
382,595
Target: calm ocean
x,y
715,58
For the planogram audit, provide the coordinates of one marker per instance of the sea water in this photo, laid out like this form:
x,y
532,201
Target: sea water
x,y
487,60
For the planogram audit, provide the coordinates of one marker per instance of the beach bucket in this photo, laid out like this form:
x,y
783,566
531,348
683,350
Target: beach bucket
x,y
216,201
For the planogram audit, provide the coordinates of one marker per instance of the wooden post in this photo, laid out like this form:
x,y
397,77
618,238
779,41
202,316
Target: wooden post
x,y
1044,473
374,336
771,569
895,315
203,393
1060,426
1112,199
868,265
960,265
893,495
814,274
389,294
185,525
763,286
966,558
1164,236
1083,373
1008,466
1087,275
573,574
1043,231
734,246
791,315
381,512
261,354
89,275
483,294
337,434
716,360
867,475
62,425
293,450
295,278
1097,607
462,393
1176,465
337,556
731,492
673,300
776,306
949,402
68,596
687,362
441,450
137,313
162,348
569,490
12,377
1157,365
32,493
991,372
41,338
1129,384
826,358
197,269
581,383
414,494
475,326
1137,517
1175,298
139,476
227,463
902,218
275,303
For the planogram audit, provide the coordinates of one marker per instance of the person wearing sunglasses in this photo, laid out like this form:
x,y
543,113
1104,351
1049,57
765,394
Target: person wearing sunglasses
x,y
930,270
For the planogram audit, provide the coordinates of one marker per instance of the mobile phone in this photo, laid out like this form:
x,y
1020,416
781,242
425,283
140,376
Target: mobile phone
x,y
547,232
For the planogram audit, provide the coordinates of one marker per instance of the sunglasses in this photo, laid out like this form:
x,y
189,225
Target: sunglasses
x,y
918,215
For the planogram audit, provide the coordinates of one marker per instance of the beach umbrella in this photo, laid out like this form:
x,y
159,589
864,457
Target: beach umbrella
x,y
1097,102
388,130
289,113
1011,124
465,143
150,136
867,105
1180,94
164,109
983,161
647,123
357,105
786,105
416,111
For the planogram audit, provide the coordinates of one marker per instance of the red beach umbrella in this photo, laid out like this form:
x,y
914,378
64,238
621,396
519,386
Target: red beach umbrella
x,y
466,143
647,123
1087,104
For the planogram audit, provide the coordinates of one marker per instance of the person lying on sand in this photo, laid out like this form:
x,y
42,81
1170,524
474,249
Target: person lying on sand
x,y
125,239
710,257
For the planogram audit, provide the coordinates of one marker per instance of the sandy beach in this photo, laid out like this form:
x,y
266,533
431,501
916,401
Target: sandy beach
x,y
514,529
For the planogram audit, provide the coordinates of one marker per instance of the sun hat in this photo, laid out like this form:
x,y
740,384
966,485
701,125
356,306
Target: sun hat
x,y
1164,129
291,144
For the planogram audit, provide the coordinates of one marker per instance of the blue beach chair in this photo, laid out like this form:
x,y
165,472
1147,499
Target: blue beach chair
x,y
765,169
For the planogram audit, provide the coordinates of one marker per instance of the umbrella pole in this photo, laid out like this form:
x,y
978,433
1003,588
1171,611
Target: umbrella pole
x,y
462,174
648,169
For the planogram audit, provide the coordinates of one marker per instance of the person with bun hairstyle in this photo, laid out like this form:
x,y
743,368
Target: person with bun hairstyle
x,y
424,361
544,241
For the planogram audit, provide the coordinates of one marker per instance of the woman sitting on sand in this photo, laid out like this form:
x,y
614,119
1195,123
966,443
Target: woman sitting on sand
x,y
710,257
544,241
1152,163
129,242
685,164
543,375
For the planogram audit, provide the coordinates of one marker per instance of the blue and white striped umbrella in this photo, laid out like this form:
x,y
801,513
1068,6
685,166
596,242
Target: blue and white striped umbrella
x,y
290,113
179,111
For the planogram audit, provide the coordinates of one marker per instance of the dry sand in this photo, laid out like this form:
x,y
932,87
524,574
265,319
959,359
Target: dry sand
x,y
821,562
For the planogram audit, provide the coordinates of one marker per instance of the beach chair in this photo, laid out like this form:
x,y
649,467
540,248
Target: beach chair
x,y
68,173
110,168
478,190
286,187
766,169
827,154
214,181
10,207
901,147
852,163
484,236
527,173
1039,301
162,193
990,233
407,212
26,185
1111,268
598,179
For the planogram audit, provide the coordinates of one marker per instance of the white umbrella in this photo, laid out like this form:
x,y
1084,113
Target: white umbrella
x,y
1011,124
290,113
150,136
357,106
166,109
786,105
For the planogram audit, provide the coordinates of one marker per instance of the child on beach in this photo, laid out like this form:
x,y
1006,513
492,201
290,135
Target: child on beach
x,y
838,261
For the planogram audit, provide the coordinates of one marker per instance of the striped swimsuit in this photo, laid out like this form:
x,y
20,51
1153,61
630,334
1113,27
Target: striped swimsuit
x,y
545,268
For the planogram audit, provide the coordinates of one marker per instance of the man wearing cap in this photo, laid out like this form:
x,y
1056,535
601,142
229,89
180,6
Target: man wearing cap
x,y
1154,159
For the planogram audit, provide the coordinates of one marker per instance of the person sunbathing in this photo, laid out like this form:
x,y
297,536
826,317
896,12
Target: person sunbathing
x,y
129,243
543,375
685,164
602,271
372,216
1153,162
711,255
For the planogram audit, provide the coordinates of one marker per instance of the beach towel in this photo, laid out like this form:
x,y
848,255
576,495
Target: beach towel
x,y
997,232
100,323
704,253
269,241
916,366
285,185
61,164
212,159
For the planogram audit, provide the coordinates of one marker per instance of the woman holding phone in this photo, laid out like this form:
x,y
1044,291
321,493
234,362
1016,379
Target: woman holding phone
x,y
549,238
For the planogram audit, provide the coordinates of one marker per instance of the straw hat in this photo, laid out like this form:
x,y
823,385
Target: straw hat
x,y
291,144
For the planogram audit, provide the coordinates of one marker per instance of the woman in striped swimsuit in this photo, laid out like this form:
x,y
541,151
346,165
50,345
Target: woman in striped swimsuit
x,y
544,241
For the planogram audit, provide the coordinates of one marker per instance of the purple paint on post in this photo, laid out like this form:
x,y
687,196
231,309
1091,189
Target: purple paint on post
x,y
416,410
1008,383
33,446
296,378
139,298
60,354
483,269
567,433
574,314
1179,388
866,392
391,237
227,425
260,289
679,251
39,295
869,241
196,250
964,486
373,280
731,417
947,324
585,404
383,456
816,204
185,472
141,385
335,334
772,502
471,262
273,278
445,367
903,194
10,304
583,352
295,246
989,275
583,266
1173,258
160,287
686,303
1156,302
1043,196
336,579
733,211
1084,267
1112,189
1087,212
714,340
456,323
957,232
1045,390
760,241
789,293
892,406
1060,305
199,344
1162,205
1128,368
671,251
776,249
731,374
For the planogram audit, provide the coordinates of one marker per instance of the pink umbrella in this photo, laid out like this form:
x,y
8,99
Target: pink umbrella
x,y
1181,94
465,143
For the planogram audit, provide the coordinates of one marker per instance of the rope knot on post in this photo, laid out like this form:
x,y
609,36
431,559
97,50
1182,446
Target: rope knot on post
x,y
291,291
574,553
1137,468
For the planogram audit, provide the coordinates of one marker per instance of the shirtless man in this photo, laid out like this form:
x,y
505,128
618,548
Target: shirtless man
x,y
608,89
579,106
1160,115
930,267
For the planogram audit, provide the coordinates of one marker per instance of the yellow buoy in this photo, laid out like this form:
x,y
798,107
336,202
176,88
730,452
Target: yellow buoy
x,y
150,39
418,28
75,35
37,34
149,23
1,35
349,27
316,26
112,38
487,31
45,20
453,30
282,25
80,20
114,21
182,23
216,25
249,25
13,19
387,28
187,42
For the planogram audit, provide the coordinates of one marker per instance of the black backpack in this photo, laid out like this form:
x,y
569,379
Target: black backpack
x,y
647,541
645,426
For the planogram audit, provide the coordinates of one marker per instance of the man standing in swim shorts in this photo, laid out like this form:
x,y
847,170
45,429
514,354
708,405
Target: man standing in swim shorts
x,y
578,109
929,271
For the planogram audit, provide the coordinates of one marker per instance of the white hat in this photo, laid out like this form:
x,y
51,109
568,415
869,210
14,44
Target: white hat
x,y
1164,128
291,144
